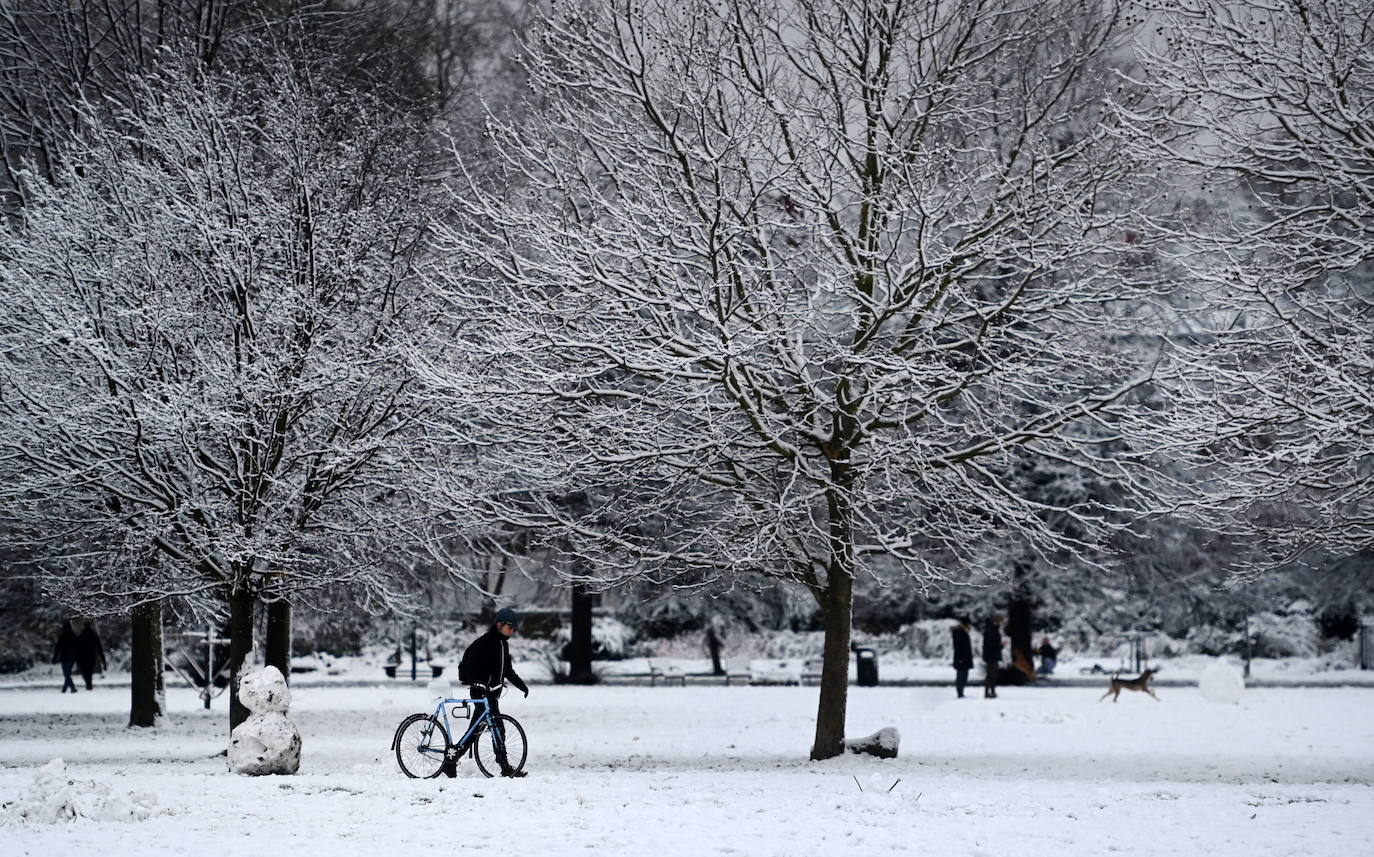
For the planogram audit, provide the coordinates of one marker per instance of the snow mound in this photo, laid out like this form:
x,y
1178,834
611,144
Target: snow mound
x,y
882,743
56,797
1221,683
264,691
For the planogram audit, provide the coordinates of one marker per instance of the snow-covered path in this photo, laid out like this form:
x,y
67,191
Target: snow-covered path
x,y
678,772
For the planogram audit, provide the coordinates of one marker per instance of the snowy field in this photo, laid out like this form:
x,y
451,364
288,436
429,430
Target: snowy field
x,y
673,772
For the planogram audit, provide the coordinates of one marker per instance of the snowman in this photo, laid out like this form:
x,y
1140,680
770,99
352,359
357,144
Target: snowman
x,y
267,742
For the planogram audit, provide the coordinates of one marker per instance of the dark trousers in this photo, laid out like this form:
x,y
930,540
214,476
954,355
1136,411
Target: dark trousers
x,y
990,680
67,683
494,704
87,670
960,680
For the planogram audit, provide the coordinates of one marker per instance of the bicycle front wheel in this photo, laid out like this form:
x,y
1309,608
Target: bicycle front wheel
x,y
487,747
421,744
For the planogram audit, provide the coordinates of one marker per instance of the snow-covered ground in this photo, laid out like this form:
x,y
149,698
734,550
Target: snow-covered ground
x,y
681,772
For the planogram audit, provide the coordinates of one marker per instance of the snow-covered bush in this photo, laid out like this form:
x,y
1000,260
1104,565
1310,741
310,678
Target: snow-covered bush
x,y
1281,635
611,638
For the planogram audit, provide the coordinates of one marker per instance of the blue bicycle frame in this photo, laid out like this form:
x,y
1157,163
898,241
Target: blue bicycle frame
x,y
475,722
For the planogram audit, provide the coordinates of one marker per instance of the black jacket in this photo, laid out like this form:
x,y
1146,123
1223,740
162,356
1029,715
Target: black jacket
x,y
963,649
992,643
89,653
65,650
487,661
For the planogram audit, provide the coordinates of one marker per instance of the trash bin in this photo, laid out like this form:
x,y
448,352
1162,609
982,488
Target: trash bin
x,y
868,667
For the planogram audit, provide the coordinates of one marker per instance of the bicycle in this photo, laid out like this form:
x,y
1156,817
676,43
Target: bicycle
x,y
423,741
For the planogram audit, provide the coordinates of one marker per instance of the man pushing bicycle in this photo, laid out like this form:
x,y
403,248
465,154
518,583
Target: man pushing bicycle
x,y
485,668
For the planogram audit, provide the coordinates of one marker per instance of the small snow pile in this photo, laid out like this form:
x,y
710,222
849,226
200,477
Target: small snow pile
x,y
882,743
1221,683
267,742
55,797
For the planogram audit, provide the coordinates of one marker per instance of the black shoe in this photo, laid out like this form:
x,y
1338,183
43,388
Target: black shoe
x,y
450,766
511,772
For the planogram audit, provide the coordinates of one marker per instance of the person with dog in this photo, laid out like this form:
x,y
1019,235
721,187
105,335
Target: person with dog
x,y
486,666
963,655
992,654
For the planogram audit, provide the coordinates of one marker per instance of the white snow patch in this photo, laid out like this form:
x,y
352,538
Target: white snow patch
x,y
55,796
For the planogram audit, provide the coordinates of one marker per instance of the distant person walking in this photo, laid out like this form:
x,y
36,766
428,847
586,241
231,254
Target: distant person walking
x,y
992,654
90,656
64,653
963,655
1049,657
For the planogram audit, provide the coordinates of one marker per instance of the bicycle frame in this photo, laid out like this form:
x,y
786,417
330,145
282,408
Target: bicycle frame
x,y
475,723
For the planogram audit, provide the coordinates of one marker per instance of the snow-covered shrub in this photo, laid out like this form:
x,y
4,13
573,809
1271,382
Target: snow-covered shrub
x,y
1290,634
1214,641
56,796
611,638
929,638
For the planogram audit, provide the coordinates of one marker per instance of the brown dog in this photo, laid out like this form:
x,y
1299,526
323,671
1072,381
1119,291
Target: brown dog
x,y
1140,682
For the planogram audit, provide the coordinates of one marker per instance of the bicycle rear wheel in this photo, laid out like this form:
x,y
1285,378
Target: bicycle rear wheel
x,y
421,744
485,746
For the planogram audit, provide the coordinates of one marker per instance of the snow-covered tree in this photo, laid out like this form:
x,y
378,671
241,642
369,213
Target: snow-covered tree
x,y
1267,121
780,285
55,53
205,339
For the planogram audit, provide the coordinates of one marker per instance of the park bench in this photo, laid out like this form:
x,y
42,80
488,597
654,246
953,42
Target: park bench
x,y
436,669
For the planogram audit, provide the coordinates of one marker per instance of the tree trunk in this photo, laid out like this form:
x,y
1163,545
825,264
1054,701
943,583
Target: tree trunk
x,y
277,645
147,698
837,613
580,645
241,604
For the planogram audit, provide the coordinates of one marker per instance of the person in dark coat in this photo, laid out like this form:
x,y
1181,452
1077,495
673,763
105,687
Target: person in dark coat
x,y
486,666
992,654
963,655
1049,656
64,653
90,656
